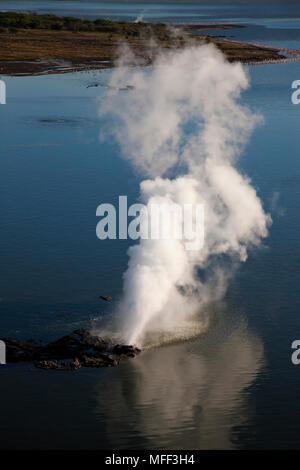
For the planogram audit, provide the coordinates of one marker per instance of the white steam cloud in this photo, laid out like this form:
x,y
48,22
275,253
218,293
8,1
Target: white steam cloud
x,y
139,18
184,118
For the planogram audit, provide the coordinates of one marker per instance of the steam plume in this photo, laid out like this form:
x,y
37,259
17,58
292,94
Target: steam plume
x,y
139,18
184,127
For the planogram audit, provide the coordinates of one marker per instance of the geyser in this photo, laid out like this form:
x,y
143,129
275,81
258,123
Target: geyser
x,y
183,126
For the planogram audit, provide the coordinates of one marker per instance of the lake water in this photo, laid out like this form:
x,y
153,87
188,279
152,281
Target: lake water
x,y
233,387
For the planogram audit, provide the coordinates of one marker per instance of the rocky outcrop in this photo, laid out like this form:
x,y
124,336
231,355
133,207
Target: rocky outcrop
x,y
124,350
19,351
71,352
59,365
106,298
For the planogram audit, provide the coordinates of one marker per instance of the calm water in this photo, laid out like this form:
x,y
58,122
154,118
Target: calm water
x,y
234,387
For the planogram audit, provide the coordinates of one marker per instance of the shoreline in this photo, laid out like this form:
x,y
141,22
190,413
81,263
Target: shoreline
x,y
30,51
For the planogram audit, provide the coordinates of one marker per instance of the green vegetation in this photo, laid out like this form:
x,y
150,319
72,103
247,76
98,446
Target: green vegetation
x,y
14,21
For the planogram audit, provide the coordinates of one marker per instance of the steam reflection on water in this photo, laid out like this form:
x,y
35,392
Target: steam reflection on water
x,y
191,395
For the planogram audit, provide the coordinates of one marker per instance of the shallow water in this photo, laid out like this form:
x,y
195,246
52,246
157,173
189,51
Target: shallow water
x,y
235,385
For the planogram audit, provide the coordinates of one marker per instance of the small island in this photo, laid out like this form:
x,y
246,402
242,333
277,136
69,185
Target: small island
x,y
33,44
71,352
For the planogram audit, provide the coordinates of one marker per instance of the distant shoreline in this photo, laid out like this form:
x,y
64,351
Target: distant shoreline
x,y
32,44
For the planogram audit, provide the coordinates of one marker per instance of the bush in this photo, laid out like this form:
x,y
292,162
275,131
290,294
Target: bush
x,y
68,23
58,25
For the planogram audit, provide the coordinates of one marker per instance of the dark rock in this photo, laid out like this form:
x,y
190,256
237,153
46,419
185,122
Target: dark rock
x,y
54,365
76,364
19,351
92,85
31,340
70,352
77,343
106,298
103,360
59,365
125,350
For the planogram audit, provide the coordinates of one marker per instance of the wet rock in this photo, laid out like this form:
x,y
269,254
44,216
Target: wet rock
x,y
48,365
59,365
76,364
19,351
78,349
93,85
103,360
77,343
106,298
31,340
125,350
